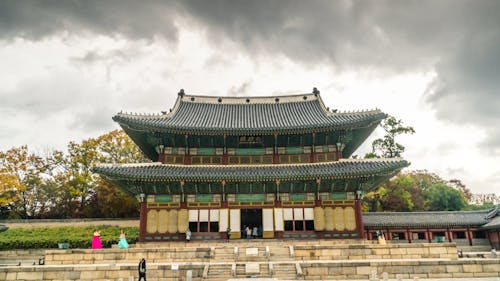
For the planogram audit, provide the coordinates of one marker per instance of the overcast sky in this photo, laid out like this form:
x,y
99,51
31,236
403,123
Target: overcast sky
x,y
66,67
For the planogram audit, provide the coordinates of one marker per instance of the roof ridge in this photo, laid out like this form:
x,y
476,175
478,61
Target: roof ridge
x,y
425,212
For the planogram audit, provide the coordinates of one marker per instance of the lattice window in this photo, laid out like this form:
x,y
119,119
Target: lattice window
x,y
231,198
270,197
310,196
285,197
324,196
191,198
216,198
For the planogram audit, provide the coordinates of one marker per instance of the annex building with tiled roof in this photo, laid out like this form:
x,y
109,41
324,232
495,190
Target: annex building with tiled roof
x,y
277,165
480,227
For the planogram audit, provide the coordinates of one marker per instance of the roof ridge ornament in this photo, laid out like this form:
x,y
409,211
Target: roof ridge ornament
x,y
181,93
315,91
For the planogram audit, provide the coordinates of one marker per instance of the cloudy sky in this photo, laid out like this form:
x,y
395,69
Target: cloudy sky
x,y
66,67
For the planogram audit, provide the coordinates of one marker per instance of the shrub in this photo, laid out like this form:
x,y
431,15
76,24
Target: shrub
x,y
50,237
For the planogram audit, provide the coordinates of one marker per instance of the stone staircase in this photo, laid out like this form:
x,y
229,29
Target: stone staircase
x,y
286,271
219,272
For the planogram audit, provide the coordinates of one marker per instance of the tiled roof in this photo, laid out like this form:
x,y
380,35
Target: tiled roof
x,y
346,168
425,219
249,115
494,223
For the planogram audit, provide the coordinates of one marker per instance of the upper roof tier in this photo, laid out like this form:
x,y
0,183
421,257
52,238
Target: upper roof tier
x,y
249,115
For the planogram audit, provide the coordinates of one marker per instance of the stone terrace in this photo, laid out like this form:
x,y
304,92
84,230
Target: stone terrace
x,y
281,260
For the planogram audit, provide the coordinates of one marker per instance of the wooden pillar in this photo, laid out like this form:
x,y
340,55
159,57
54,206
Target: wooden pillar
x,y
313,149
338,152
450,235
469,235
276,158
183,195
359,215
187,157
428,235
408,235
224,203
143,207
224,152
278,201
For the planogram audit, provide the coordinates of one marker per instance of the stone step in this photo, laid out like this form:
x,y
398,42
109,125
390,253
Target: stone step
x,y
284,271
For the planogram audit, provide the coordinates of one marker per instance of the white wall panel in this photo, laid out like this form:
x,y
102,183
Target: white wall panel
x,y
267,219
234,220
278,219
309,214
203,215
223,219
298,214
288,214
214,215
193,215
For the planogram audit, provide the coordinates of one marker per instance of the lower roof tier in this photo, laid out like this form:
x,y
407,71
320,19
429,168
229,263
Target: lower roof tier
x,y
345,168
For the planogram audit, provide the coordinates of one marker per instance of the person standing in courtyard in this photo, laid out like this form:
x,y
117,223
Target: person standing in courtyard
x,y
188,235
122,243
228,234
142,269
96,240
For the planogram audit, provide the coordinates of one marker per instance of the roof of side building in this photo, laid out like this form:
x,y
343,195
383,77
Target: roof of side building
x,y
426,219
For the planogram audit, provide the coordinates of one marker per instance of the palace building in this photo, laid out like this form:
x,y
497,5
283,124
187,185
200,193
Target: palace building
x,y
278,165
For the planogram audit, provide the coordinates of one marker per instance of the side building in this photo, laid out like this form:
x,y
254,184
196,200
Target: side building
x,y
465,228
274,164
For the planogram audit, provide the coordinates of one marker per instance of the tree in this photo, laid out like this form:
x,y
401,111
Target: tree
x,y
441,197
387,147
24,182
85,192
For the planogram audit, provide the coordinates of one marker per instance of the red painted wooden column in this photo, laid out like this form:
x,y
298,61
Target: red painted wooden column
x,y
187,156
359,216
469,236
313,149
143,219
224,152
276,158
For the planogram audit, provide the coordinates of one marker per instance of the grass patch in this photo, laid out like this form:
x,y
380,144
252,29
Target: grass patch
x,y
77,237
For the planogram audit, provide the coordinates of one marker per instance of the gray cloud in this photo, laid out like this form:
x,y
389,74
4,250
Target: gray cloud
x,y
458,39
134,19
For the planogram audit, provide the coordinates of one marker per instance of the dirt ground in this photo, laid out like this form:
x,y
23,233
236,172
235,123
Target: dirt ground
x,y
58,223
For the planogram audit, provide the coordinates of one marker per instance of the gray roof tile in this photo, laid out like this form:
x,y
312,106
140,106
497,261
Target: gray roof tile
x,y
425,219
167,172
233,115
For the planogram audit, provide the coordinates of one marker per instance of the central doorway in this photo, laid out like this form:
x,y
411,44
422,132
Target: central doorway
x,y
251,218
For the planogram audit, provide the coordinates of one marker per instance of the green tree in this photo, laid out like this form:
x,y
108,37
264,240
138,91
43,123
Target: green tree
x,y
441,197
387,147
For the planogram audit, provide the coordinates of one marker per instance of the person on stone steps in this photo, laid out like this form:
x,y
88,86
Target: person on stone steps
x,y
142,269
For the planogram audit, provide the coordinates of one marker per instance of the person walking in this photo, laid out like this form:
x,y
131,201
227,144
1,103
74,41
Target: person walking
x,y
228,234
142,269
188,235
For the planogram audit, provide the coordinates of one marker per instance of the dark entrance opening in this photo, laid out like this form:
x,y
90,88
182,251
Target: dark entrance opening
x,y
251,218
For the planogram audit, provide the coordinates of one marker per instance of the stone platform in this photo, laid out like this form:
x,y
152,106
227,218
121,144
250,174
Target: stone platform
x,y
271,259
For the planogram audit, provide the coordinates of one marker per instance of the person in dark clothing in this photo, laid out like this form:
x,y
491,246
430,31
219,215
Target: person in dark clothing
x,y
142,269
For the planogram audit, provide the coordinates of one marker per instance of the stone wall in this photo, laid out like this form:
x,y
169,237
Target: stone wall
x,y
99,272
364,270
375,251
112,256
